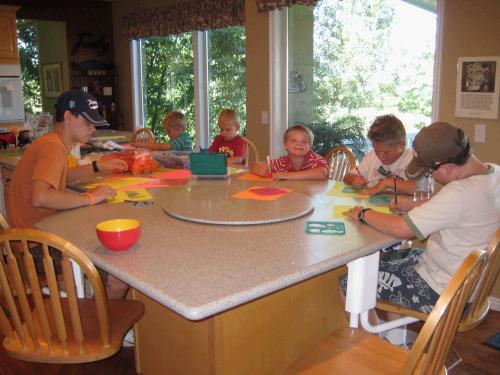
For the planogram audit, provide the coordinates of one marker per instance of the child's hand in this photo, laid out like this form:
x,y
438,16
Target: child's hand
x,y
101,193
112,165
358,182
280,176
259,168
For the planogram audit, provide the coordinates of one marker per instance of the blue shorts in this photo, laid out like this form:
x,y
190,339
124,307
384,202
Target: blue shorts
x,y
399,283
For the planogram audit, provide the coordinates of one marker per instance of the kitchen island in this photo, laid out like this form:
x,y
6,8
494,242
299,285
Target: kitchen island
x,y
225,299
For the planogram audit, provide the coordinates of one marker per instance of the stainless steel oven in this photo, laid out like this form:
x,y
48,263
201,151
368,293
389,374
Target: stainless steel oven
x,y
11,94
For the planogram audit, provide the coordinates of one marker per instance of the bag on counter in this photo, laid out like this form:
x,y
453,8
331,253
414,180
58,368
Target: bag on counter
x,y
138,162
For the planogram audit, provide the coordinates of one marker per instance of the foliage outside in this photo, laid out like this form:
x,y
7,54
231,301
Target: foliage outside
x,y
355,72
27,38
169,77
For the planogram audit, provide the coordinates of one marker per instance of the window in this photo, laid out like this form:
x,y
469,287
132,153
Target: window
x,y
172,81
349,61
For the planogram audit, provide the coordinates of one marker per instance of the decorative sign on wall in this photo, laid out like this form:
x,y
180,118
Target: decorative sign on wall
x,y
478,87
52,80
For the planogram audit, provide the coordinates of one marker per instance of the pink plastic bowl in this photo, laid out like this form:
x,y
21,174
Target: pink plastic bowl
x,y
118,234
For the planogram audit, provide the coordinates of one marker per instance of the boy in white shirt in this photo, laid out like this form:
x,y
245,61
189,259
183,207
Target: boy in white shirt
x,y
386,161
461,217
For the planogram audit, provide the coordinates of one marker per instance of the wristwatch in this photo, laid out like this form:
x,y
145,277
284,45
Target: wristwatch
x,y
95,167
361,215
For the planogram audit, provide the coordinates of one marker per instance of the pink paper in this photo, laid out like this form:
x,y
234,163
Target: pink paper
x,y
176,174
268,191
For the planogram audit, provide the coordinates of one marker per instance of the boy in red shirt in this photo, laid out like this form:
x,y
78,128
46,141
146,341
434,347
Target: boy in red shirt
x,y
228,141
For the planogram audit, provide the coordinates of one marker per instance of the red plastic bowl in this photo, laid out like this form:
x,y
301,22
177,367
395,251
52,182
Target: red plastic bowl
x,y
118,234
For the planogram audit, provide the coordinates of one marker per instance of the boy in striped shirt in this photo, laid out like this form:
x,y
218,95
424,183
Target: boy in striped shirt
x,y
300,163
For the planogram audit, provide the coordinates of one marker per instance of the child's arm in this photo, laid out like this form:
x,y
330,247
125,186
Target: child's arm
x,y
404,186
235,160
356,180
153,145
259,168
318,173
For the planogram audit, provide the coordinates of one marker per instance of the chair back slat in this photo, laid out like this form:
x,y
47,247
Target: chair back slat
x,y
36,293
69,282
11,305
251,145
480,303
436,336
340,161
54,296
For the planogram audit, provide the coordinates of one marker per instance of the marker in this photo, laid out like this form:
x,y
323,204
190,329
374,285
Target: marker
x,y
268,163
360,175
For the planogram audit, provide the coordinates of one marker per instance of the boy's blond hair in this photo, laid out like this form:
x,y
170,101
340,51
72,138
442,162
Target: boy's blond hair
x,y
387,129
175,120
229,113
301,128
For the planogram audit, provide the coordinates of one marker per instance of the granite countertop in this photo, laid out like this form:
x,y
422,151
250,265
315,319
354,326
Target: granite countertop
x,y
199,270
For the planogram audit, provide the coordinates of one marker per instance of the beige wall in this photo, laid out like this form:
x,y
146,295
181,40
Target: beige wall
x,y
471,28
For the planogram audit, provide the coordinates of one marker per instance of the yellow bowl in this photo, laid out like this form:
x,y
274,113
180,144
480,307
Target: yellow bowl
x,y
118,234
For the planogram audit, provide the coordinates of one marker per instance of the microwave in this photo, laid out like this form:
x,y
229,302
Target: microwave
x,y
11,99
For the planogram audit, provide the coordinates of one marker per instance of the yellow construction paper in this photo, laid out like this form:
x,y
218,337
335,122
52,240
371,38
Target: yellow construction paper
x,y
336,191
131,195
338,210
118,183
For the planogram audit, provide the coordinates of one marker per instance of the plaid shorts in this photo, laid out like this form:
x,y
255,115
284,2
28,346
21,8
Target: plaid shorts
x,y
399,283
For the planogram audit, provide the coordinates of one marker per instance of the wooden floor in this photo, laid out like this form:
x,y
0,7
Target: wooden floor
x,y
478,359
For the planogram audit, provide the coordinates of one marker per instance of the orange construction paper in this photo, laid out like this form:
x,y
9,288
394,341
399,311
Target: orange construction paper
x,y
268,193
175,174
253,177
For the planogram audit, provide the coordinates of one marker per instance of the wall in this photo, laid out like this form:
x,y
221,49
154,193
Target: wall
x,y
471,28
52,47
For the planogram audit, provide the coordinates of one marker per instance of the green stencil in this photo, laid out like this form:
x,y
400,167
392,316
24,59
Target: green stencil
x,y
350,189
325,227
380,199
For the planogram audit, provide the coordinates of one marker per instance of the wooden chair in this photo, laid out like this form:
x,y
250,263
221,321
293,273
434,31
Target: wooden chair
x,y
353,351
340,161
52,329
251,145
477,310
142,135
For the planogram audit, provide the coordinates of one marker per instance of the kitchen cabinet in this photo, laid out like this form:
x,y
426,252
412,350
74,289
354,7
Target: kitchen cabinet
x,y
9,53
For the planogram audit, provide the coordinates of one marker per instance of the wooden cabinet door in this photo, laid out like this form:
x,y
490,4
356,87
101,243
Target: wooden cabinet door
x,y
8,35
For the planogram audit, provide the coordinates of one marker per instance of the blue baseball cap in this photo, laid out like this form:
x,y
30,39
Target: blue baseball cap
x,y
82,103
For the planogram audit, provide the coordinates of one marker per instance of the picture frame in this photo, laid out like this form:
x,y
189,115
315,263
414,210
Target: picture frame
x,y
477,87
52,79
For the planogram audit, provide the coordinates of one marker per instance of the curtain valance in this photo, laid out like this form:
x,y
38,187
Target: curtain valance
x,y
268,5
185,17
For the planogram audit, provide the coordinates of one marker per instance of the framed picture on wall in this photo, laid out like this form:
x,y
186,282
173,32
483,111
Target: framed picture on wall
x,y
52,80
478,87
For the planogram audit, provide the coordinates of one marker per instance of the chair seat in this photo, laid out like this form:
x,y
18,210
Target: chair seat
x,y
123,314
352,351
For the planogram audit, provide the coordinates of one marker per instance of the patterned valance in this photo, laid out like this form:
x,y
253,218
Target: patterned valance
x,y
180,18
268,5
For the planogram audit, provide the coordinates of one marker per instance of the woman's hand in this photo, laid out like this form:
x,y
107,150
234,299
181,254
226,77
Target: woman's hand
x,y
352,213
403,206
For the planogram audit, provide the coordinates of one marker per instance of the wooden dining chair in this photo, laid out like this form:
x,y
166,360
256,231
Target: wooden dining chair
x,y
250,145
354,351
478,308
340,161
142,135
52,329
